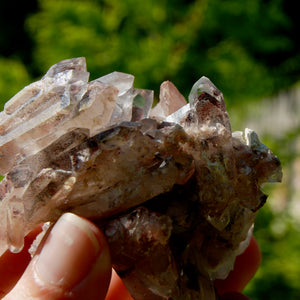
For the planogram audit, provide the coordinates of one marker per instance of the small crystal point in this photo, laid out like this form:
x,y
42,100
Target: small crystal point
x,y
68,71
15,224
122,81
205,85
171,100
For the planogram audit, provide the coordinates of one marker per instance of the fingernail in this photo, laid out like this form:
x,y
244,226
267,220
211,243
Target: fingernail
x,y
69,252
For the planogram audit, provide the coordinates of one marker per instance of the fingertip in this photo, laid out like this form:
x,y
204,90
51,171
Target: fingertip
x,y
73,262
96,283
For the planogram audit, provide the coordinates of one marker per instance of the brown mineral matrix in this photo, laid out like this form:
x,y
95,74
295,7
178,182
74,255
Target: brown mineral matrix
x,y
174,190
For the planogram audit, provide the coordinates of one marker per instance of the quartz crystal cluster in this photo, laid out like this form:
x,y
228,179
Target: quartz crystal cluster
x,y
173,189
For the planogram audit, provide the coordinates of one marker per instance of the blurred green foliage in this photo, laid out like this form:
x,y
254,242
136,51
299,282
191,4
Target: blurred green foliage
x,y
246,47
249,49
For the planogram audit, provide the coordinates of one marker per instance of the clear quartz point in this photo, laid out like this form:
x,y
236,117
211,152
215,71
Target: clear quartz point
x,y
170,101
122,81
15,225
204,85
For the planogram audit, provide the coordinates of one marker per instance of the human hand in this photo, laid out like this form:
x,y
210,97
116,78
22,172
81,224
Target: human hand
x,y
62,271
73,263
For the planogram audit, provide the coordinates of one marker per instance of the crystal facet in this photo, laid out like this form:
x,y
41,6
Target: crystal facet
x,y
173,189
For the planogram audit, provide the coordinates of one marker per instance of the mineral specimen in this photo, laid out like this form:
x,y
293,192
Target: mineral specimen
x,y
174,190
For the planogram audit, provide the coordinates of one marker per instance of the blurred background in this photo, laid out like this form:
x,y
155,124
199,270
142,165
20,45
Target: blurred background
x,y
250,49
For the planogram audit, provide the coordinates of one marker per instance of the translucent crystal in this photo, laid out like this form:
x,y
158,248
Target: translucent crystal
x,y
179,114
206,86
33,122
170,101
174,190
15,224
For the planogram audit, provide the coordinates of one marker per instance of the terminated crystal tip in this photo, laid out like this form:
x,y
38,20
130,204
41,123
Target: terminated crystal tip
x,y
206,86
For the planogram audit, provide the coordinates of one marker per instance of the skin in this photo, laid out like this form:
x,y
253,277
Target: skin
x,y
24,278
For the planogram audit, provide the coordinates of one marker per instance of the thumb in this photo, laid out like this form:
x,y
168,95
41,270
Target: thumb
x,y
74,263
